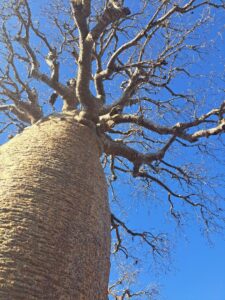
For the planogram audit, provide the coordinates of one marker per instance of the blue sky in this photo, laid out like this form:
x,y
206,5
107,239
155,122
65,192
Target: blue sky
x,y
199,270
197,265
196,269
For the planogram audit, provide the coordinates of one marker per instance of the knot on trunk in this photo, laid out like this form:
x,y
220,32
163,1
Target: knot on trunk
x,y
115,11
82,6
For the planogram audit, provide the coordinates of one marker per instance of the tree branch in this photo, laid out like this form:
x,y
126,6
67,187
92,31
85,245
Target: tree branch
x,y
138,159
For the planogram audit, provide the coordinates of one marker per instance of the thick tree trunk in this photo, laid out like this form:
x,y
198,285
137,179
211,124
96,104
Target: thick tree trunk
x,y
54,215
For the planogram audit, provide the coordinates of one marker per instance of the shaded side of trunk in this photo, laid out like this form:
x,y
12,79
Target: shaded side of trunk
x,y
54,215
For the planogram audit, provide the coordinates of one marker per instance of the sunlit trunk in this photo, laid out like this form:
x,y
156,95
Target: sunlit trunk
x,y
54,215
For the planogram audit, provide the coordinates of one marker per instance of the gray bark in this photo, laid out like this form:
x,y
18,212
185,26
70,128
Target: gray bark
x,y
54,214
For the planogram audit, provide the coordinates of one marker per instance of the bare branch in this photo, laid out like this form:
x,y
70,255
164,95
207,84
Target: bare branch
x,y
137,158
156,243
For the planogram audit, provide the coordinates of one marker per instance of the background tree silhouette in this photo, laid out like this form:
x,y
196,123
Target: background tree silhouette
x,y
130,70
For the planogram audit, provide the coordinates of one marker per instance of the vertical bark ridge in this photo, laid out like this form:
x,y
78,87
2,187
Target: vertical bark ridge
x,y
54,215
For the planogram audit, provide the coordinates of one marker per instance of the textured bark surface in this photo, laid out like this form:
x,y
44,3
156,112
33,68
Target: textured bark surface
x,y
54,215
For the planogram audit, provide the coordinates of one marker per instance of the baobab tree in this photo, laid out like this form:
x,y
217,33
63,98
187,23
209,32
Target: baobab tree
x,y
87,87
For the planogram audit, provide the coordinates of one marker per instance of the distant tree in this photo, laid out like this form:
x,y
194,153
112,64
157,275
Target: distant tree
x,y
85,82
